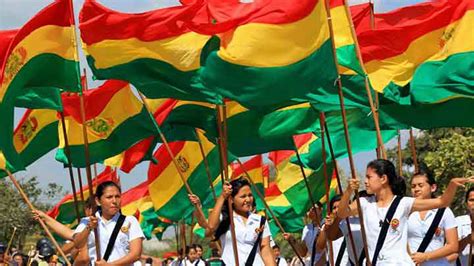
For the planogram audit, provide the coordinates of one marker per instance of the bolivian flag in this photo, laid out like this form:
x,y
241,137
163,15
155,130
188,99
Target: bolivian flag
x,y
154,51
115,120
65,213
290,179
142,150
39,60
35,135
137,202
278,53
281,207
167,190
425,36
249,131
362,133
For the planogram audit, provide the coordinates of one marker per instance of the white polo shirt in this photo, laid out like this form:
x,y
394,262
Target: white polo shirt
x,y
464,229
336,247
394,249
246,238
417,229
309,235
199,262
281,261
356,235
130,231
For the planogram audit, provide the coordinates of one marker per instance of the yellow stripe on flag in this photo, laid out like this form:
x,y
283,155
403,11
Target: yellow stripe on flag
x,y
27,131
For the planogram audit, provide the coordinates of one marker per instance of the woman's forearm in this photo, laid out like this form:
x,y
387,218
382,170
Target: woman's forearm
x,y
214,216
344,207
448,195
80,239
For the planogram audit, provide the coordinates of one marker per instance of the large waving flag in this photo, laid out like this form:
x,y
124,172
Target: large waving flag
x,y
154,50
272,54
408,37
65,213
137,202
115,120
447,74
37,72
35,135
167,190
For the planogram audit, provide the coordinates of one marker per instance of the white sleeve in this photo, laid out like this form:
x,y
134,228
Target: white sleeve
x,y
266,230
448,219
82,225
407,203
304,234
134,229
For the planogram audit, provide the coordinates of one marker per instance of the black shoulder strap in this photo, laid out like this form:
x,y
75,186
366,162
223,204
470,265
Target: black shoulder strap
x,y
362,257
384,230
340,254
431,231
278,261
253,253
113,237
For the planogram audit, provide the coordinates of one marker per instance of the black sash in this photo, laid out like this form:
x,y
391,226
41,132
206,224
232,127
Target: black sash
x,y
253,253
431,231
341,252
384,230
113,237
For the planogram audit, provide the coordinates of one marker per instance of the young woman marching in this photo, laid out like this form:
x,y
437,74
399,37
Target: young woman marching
x,y
388,212
127,248
248,228
428,246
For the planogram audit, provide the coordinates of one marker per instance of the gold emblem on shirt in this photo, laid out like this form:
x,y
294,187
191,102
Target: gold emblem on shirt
x,y
124,229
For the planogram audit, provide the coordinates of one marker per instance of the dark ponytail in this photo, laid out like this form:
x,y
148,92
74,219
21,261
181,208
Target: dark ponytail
x,y
224,225
385,167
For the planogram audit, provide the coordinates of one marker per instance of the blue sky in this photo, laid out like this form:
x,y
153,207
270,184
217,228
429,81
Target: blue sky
x,y
15,13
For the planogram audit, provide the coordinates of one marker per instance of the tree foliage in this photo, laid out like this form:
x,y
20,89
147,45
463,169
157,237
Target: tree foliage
x,y
448,152
14,212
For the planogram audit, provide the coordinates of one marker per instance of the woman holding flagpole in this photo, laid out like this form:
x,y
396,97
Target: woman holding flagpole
x,y
386,213
252,230
120,236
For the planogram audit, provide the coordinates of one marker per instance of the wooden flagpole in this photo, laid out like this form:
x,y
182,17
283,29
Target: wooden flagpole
x,y
399,154
373,108
346,130
69,166
88,164
339,186
84,129
41,222
170,152
222,130
10,241
413,151
305,178
79,176
274,217
326,183
206,164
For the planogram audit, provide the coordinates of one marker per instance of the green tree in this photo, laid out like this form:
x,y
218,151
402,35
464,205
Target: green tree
x,y
14,212
448,152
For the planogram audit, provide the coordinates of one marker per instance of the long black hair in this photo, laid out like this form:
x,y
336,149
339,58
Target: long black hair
x,y
224,225
385,167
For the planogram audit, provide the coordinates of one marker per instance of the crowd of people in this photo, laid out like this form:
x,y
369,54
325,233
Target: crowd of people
x,y
399,230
